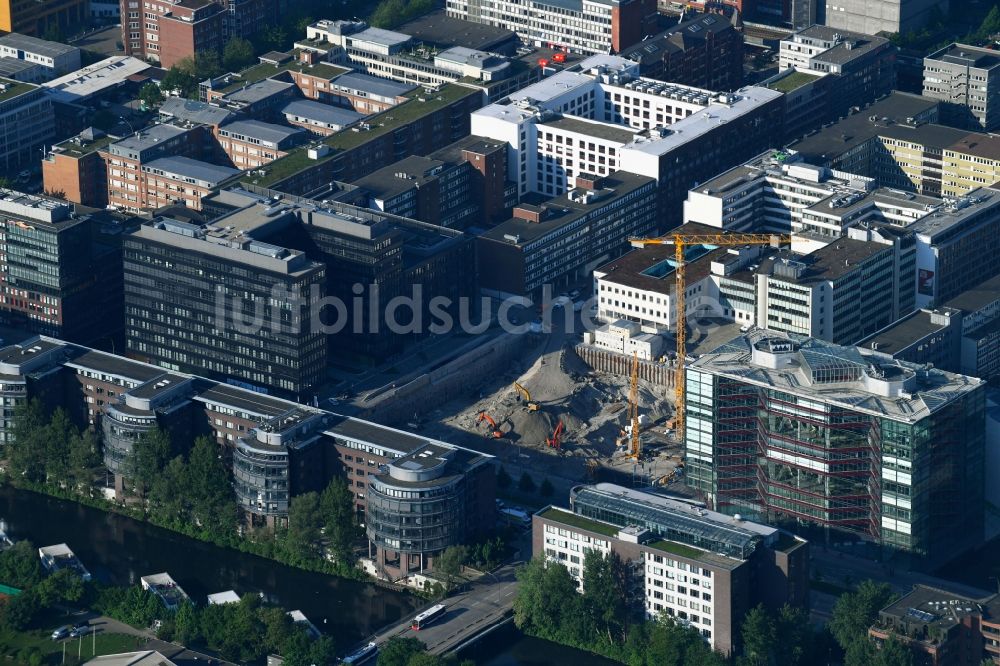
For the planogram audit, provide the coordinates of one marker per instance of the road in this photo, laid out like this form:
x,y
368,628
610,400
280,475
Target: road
x,y
469,612
179,654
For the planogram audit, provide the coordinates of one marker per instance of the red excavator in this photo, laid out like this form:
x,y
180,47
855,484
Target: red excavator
x,y
555,441
483,416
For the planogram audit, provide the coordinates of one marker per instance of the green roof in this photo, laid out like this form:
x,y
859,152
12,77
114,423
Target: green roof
x,y
573,520
380,124
15,88
794,80
73,149
266,70
675,548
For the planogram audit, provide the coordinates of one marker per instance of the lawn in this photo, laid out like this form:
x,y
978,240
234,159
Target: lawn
x,y
789,83
37,647
677,549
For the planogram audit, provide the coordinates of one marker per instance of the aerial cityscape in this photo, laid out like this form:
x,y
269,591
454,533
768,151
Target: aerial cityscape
x,y
500,332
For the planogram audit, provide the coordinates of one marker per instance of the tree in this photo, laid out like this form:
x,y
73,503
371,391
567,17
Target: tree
x,y
237,54
855,611
310,651
604,593
760,638
503,479
151,96
451,561
58,434
398,651
793,629
304,523
213,504
547,604
187,628
84,456
20,566
893,653
340,519
180,78
526,484
990,25
26,453
207,65
149,454
546,488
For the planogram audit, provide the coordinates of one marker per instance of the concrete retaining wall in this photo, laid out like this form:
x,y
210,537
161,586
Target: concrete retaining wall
x,y
603,360
452,380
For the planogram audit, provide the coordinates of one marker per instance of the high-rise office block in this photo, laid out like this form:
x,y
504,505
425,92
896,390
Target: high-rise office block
x,y
219,301
840,442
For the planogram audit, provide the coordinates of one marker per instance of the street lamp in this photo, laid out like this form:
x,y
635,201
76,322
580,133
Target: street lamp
x,y
122,118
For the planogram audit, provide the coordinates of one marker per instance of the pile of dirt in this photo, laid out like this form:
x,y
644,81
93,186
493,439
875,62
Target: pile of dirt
x,y
593,407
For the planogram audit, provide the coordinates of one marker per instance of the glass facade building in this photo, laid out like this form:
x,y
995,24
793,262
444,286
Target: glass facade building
x,y
806,432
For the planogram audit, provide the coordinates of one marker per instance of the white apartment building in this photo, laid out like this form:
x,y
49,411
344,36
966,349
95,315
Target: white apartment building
x,y
601,116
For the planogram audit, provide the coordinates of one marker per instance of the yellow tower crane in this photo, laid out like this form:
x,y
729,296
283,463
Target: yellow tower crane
x,y
680,242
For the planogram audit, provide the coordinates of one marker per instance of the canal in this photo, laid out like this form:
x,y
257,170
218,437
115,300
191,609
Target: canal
x,y
118,550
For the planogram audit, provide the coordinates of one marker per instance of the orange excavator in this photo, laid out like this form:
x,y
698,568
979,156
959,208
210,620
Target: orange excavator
x,y
483,416
555,441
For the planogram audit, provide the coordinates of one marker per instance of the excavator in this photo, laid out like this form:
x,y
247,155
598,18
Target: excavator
x,y
523,393
555,441
483,416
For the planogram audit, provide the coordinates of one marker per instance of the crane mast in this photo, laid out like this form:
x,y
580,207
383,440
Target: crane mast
x,y
680,242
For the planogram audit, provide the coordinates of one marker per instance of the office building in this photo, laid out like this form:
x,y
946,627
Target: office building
x,y
942,627
421,503
961,335
368,94
56,59
702,568
400,58
382,255
168,32
704,52
29,17
840,69
842,291
60,273
461,185
839,442
600,117
967,81
236,302
182,110
27,123
275,449
873,18
586,26
253,143
553,241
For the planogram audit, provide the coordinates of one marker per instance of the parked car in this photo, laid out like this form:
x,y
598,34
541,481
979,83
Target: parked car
x,y
81,629
62,632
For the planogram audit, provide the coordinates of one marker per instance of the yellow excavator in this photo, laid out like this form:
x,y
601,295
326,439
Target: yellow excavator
x,y
523,393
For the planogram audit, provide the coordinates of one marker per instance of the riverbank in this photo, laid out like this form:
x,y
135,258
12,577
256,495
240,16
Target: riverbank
x,y
118,550
261,544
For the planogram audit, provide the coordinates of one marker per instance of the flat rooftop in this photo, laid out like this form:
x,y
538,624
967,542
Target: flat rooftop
x,y
437,28
814,358
194,111
390,181
601,130
903,334
82,84
563,211
41,47
947,221
927,606
115,366
258,404
830,142
966,56
983,294
265,132
978,145
323,113
9,89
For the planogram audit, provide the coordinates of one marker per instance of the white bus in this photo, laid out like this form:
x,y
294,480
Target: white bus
x,y
428,616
